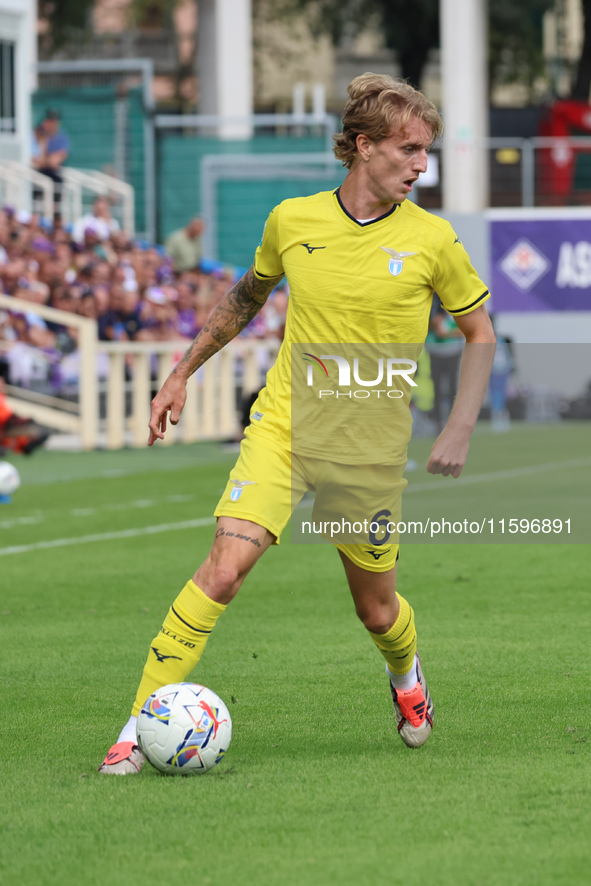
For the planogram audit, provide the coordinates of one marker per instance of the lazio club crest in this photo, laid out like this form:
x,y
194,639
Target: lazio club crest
x,y
396,262
239,486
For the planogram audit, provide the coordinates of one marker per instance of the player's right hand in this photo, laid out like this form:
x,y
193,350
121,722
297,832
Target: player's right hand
x,y
170,398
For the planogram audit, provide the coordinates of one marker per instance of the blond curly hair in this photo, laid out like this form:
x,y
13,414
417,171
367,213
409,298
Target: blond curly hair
x,y
376,105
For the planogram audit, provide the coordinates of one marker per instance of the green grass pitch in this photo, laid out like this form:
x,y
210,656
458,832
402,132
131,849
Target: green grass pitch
x,y
316,788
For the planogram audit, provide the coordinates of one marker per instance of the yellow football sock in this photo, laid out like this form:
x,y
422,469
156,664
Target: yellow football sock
x,y
399,644
180,643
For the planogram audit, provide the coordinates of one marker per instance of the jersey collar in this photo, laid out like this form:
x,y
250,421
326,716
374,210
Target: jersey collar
x,y
366,224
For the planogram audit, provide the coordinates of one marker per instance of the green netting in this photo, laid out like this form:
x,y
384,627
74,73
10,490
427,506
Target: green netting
x,y
89,118
179,168
136,170
243,208
582,176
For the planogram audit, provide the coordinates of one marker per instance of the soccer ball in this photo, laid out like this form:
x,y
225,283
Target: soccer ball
x,y
9,478
184,728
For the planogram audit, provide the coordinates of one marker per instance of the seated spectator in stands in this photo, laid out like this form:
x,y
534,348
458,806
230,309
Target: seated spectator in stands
x,y
34,290
184,245
88,306
5,232
186,304
29,327
99,221
51,269
64,254
124,272
102,295
53,148
128,286
121,243
221,280
122,321
64,298
159,318
11,273
101,273
145,263
204,307
95,248
38,143
276,313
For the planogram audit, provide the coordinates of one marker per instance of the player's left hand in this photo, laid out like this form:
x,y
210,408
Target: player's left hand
x,y
449,453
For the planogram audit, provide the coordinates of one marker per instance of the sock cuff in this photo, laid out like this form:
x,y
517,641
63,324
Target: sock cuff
x,y
404,621
399,644
198,606
405,618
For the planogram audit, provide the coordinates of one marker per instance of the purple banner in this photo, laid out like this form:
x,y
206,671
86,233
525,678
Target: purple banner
x,y
541,265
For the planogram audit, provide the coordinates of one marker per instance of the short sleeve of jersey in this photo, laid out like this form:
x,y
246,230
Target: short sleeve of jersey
x,y
456,282
267,259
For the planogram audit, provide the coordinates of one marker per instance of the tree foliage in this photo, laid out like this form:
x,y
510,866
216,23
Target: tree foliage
x,y
411,29
152,13
67,19
64,19
582,81
515,41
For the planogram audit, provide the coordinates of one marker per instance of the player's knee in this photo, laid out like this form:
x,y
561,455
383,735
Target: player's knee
x,y
377,619
219,580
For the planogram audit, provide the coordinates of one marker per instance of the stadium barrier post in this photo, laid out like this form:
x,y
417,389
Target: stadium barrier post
x,y
116,401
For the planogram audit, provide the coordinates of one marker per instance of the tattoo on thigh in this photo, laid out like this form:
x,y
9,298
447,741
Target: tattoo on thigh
x,y
254,541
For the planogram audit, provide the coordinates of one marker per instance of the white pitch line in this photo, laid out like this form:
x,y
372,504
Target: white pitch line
x,y
106,536
208,521
21,521
509,474
92,512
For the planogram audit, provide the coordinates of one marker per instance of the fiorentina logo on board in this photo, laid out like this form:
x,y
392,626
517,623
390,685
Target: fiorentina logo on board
x,y
524,265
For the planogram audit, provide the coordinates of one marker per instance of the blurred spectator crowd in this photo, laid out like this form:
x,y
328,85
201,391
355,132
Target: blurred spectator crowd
x,y
133,289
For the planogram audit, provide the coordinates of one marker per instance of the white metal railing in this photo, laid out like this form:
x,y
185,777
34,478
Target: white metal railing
x,y
210,411
100,184
86,422
18,180
215,124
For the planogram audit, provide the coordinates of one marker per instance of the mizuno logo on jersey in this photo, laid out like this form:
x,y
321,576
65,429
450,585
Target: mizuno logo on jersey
x,y
396,262
239,486
377,554
311,248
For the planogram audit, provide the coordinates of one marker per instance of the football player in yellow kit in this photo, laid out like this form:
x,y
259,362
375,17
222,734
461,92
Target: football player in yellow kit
x,y
362,264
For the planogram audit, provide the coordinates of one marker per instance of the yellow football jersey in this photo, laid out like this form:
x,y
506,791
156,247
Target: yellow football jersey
x,y
368,285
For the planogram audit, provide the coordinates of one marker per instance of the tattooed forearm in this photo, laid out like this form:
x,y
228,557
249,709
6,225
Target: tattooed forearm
x,y
235,311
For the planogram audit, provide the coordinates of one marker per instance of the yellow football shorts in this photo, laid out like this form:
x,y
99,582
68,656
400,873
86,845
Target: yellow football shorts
x,y
356,507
